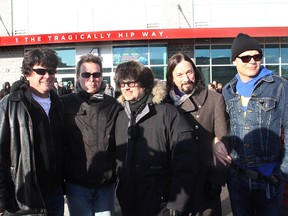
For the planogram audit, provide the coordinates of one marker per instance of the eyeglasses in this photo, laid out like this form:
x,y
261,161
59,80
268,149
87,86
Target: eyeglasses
x,y
43,71
88,75
130,84
246,59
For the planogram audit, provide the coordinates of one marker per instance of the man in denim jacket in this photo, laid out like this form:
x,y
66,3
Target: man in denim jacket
x,y
257,104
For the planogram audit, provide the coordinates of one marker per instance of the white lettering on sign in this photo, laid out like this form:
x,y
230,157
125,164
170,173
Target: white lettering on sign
x,y
78,37
152,34
126,34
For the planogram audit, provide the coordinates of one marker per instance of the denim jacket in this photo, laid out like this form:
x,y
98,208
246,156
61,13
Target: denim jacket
x,y
256,138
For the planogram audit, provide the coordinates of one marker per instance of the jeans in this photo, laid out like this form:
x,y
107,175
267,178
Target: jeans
x,y
54,202
253,197
89,201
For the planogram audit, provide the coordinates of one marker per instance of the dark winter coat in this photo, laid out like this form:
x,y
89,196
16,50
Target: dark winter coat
x,y
205,110
5,91
157,159
90,144
31,151
60,90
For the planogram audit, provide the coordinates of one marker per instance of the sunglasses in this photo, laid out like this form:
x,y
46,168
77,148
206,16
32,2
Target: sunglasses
x,y
130,84
88,75
246,59
43,71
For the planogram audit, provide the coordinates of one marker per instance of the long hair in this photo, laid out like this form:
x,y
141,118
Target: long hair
x,y
173,62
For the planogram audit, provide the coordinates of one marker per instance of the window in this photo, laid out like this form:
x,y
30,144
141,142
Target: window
x,y
158,54
202,55
272,54
67,64
153,56
124,54
67,57
159,72
285,72
219,67
284,53
221,54
223,74
274,68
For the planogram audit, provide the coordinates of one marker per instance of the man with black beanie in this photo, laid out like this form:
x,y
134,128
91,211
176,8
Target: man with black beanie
x,y
257,103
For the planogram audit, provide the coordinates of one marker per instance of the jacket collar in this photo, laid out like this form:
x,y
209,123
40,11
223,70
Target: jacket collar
x,y
195,101
20,90
233,82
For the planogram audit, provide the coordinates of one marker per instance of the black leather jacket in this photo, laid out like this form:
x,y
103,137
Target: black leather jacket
x,y
20,182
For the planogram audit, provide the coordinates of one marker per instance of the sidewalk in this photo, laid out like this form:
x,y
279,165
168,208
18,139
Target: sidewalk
x,y
226,209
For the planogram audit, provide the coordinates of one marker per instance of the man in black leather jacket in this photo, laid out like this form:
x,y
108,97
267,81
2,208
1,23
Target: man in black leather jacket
x,y
31,137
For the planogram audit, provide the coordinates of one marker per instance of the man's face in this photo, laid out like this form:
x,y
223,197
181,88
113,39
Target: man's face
x,y
131,90
41,84
184,77
248,70
90,77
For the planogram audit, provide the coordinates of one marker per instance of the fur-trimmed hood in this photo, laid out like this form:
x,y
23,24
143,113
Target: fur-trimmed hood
x,y
157,94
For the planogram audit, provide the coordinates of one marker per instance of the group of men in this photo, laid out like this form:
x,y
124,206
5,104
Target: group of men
x,y
167,148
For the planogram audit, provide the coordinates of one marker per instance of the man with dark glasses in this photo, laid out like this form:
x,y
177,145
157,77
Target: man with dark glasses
x,y
90,146
157,157
257,103
31,140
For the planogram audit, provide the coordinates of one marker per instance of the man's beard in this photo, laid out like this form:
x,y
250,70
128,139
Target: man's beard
x,y
189,89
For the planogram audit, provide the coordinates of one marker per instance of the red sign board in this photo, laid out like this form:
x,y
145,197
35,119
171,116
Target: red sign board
x,y
146,34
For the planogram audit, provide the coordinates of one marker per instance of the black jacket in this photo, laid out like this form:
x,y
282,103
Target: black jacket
x,y
90,145
60,91
31,151
157,159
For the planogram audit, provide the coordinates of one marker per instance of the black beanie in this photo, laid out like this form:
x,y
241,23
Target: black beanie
x,y
242,43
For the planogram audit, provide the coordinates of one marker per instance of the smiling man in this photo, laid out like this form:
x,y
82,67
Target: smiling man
x,y
31,140
157,159
205,111
257,103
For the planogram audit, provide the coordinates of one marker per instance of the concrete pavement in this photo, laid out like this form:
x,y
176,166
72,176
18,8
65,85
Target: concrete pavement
x,y
226,209
225,201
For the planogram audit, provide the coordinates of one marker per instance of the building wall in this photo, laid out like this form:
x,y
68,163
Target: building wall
x,y
90,15
41,16
186,46
6,18
10,63
240,13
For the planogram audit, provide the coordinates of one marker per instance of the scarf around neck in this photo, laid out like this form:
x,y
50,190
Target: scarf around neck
x,y
179,97
137,106
246,88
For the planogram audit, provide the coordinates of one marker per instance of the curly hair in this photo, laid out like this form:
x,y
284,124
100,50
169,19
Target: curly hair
x,y
173,62
89,58
135,71
44,56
